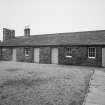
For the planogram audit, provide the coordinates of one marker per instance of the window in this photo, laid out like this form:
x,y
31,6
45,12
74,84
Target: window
x,y
4,49
68,52
26,51
91,52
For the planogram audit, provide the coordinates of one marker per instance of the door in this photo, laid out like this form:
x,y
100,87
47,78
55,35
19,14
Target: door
x,y
103,57
36,55
54,56
14,55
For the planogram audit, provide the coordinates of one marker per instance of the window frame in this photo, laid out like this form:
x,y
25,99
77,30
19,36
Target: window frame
x,y
91,53
26,51
68,52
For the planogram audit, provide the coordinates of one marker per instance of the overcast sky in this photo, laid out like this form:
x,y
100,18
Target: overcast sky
x,y
52,16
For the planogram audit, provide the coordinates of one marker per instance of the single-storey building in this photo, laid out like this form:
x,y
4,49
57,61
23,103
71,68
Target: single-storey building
x,y
76,48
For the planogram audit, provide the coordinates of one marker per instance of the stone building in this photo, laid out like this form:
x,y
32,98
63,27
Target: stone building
x,y
76,48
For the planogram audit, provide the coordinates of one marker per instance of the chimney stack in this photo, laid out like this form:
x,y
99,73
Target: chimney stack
x,y
27,31
8,34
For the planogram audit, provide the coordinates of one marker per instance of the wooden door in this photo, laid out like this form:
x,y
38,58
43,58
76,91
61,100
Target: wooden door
x,y
14,55
103,57
36,55
54,56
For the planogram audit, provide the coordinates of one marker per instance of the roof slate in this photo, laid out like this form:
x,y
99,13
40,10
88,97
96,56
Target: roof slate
x,y
74,38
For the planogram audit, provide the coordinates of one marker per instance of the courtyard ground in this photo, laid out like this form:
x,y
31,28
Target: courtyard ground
x,y
42,84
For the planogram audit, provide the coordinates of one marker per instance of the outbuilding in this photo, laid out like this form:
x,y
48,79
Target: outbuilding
x,y
75,48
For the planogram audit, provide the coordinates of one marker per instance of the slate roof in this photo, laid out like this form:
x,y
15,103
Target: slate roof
x,y
74,38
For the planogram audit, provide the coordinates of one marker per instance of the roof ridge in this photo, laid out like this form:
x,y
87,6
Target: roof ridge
x,y
69,32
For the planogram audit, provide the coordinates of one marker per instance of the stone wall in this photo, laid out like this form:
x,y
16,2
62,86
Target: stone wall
x,y
80,56
20,55
45,55
6,54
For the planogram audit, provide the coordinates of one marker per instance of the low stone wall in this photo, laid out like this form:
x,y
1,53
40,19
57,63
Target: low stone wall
x,y
88,87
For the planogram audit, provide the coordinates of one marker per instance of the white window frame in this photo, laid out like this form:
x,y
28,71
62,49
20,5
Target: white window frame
x,y
68,51
25,51
91,57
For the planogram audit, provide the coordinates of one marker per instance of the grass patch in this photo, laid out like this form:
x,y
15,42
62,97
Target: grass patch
x,y
24,82
12,70
65,87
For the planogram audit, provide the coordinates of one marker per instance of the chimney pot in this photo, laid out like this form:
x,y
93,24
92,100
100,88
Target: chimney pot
x,y
27,31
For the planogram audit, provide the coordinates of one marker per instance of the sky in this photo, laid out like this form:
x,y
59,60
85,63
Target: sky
x,y
52,16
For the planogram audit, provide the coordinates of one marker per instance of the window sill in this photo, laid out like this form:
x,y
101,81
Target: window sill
x,y
91,57
68,56
26,55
